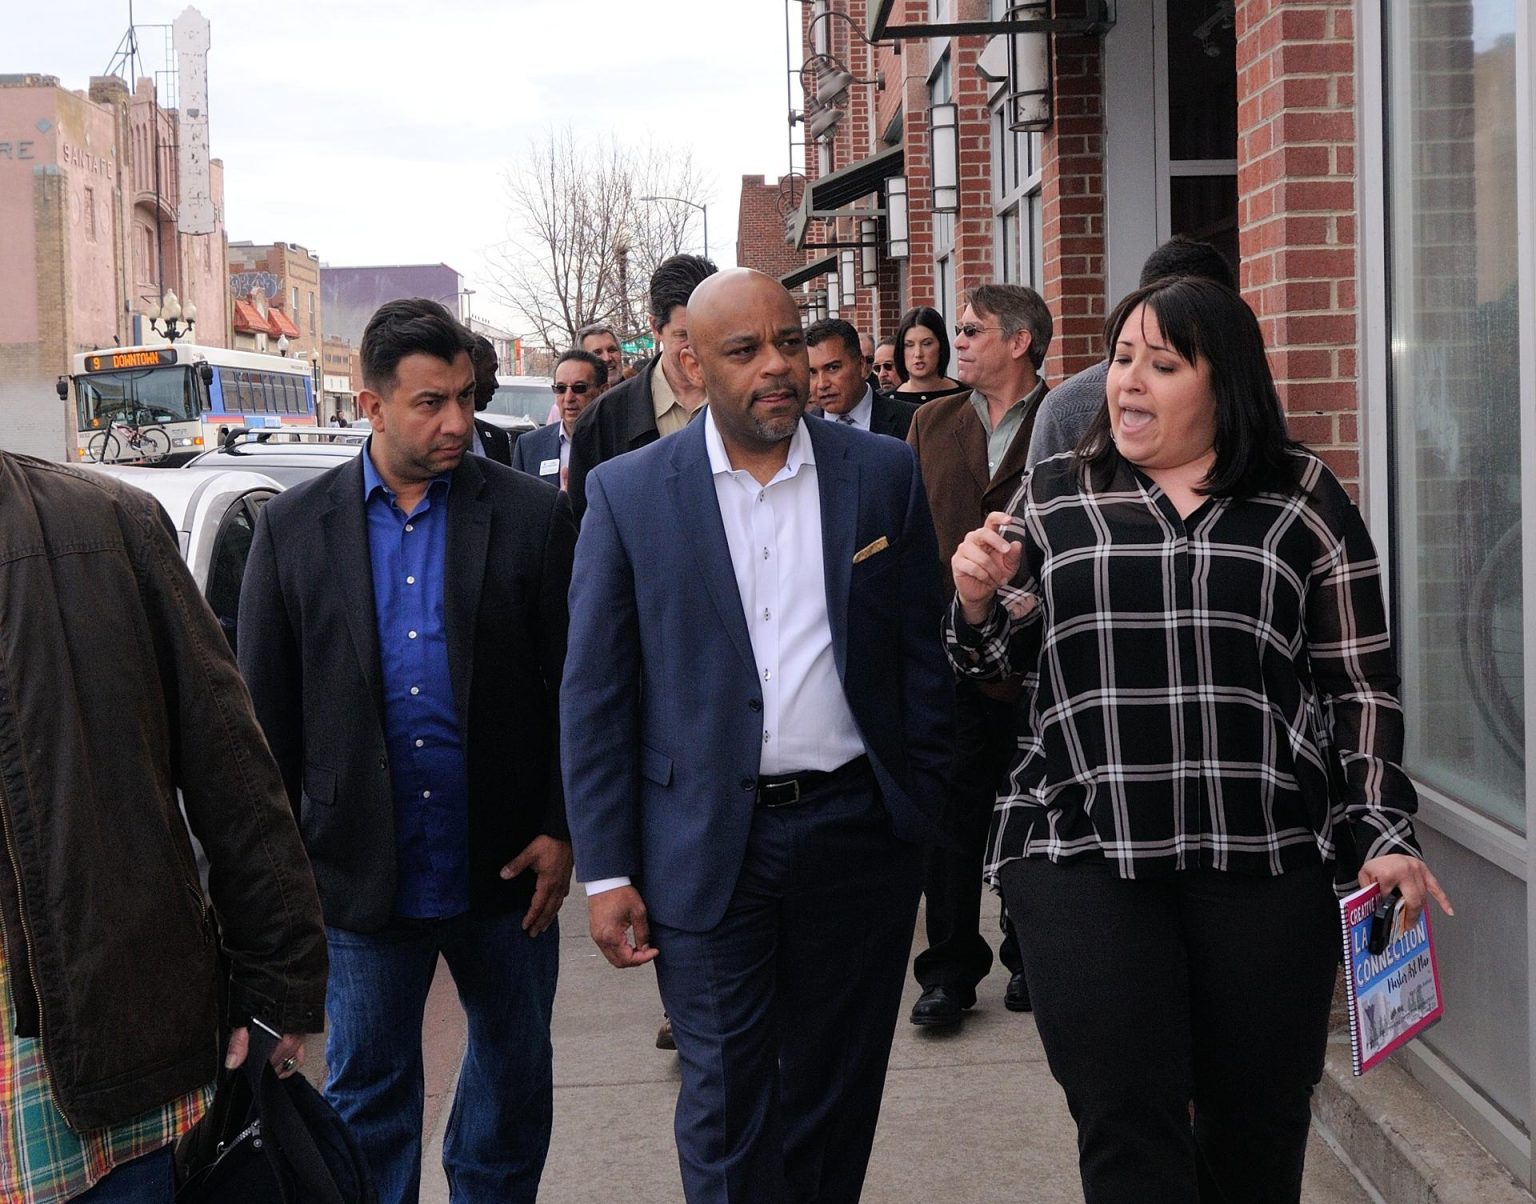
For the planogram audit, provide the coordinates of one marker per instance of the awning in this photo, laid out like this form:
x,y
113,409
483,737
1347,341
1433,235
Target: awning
x,y
827,196
817,267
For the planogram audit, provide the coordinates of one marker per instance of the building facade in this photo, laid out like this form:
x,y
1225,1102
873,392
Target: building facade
x,y
89,194
350,295
1366,167
288,277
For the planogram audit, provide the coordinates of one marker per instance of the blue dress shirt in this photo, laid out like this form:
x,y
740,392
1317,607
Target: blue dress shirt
x,y
409,556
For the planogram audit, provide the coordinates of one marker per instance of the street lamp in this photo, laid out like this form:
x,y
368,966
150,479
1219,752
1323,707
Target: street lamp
x,y
704,209
464,295
169,319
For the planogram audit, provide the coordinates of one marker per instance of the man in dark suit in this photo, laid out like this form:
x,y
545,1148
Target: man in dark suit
x,y
579,377
400,616
840,392
659,399
971,448
780,742
489,440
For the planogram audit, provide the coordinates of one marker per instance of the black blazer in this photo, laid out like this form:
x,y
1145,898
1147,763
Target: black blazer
x,y
891,416
496,441
621,420
309,652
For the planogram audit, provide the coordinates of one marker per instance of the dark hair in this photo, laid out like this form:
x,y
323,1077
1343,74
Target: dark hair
x,y
415,326
599,369
1201,319
921,315
587,332
1181,256
483,356
834,328
673,282
1016,308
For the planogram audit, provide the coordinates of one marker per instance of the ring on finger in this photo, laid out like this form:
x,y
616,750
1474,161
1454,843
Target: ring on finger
x,y
289,1063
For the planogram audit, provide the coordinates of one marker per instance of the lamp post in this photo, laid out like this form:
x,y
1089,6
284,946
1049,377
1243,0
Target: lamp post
x,y
464,295
704,209
170,319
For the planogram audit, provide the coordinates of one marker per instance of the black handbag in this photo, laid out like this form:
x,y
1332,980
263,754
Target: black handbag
x,y
267,1140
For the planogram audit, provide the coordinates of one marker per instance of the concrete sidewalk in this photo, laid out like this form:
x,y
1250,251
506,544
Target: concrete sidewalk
x,y
970,1116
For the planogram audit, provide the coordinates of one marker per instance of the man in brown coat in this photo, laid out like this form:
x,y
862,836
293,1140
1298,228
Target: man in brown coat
x,y
971,449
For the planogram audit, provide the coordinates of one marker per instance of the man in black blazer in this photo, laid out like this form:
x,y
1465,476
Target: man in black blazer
x,y
659,399
840,391
403,632
546,453
489,439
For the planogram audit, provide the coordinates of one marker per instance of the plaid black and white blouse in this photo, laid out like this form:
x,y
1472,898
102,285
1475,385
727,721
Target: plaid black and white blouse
x,y
1186,678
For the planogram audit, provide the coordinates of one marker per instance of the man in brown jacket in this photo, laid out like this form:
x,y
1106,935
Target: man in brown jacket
x,y
971,449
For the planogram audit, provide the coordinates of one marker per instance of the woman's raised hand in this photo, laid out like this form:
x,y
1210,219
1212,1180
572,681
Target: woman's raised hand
x,y
983,562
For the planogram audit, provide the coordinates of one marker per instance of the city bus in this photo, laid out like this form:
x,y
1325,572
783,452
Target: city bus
x,y
165,404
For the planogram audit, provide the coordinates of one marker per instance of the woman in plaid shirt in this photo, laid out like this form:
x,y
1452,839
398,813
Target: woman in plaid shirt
x,y
1197,605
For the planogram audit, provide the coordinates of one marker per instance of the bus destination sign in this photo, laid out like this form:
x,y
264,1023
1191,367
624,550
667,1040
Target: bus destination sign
x,y
108,361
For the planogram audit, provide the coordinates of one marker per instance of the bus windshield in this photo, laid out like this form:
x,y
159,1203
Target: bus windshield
x,y
171,393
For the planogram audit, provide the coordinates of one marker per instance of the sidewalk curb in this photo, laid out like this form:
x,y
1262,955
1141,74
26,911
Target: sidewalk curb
x,y
1408,1148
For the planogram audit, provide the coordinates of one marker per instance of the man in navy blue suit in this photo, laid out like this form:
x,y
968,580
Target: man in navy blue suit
x,y
753,608
546,452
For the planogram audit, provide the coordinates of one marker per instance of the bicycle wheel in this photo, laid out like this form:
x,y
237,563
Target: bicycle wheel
x,y
155,445
103,448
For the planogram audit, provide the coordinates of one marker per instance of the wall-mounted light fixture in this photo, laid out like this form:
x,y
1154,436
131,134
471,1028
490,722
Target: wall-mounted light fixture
x,y
869,252
1022,63
944,140
848,280
897,245
822,123
833,294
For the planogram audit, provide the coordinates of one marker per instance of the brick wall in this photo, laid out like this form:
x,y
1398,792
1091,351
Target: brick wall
x,y
1072,204
760,239
1296,211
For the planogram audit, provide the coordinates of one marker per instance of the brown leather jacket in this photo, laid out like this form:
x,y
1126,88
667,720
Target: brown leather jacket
x,y
117,687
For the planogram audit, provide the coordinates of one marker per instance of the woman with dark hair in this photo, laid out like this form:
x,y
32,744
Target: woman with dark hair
x,y
1212,739
922,357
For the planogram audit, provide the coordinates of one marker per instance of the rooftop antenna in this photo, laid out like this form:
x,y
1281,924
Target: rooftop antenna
x,y
125,62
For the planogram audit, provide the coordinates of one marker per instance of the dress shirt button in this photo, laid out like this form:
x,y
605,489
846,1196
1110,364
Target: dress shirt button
x,y
411,634
766,737
410,581
410,526
767,674
765,553
755,704
415,689
420,743
761,496
426,794
766,613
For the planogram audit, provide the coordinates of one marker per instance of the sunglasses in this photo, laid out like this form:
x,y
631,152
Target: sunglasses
x,y
970,330
580,388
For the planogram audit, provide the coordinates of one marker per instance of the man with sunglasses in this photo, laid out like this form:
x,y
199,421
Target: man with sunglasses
x,y
971,449
546,453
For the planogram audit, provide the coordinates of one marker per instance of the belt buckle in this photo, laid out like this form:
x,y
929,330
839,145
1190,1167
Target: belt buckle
x,y
793,785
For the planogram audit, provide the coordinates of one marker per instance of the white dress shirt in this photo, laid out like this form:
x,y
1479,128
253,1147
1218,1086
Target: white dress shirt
x,y
774,535
861,413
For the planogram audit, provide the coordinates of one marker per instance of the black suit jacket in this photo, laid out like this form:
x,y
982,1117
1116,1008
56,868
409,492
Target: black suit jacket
x,y
621,420
309,651
891,416
496,441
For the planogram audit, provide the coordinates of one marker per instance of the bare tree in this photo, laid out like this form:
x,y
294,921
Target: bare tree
x,y
581,243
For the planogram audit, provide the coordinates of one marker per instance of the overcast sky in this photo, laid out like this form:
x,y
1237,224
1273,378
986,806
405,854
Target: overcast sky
x,y
378,132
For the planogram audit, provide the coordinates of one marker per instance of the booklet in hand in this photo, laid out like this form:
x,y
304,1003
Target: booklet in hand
x,y
1390,975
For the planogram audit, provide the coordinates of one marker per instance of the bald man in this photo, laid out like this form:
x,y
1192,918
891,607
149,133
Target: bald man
x,y
755,826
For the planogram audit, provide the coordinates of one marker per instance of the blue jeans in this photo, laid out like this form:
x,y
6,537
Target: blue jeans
x,y
498,1131
147,1180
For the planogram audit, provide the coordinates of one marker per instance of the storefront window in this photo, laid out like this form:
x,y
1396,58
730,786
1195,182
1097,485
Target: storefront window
x,y
1455,397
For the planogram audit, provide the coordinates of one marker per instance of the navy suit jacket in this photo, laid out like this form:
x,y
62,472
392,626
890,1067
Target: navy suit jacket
x,y
536,449
661,691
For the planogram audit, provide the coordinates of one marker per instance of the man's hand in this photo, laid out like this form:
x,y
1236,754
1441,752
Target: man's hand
x,y
550,861
613,913
285,1059
983,562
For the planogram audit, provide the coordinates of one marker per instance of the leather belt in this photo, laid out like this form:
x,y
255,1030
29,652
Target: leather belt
x,y
790,789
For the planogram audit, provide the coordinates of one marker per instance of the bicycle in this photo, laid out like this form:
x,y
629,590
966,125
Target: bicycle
x,y
149,444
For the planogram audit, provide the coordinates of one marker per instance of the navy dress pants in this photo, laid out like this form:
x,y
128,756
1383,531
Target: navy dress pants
x,y
1203,988
784,1011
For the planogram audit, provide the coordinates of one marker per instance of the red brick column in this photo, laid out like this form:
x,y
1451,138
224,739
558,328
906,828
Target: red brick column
x,y
1296,211
1072,204
974,237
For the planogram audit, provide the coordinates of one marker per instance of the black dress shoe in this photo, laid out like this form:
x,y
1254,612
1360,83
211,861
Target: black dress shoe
x,y
664,1038
1016,997
936,1008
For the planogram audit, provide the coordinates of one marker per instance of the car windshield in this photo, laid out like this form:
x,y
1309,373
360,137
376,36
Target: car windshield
x,y
522,399
166,394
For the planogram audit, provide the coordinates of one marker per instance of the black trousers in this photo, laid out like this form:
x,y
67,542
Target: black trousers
x,y
958,955
1206,988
